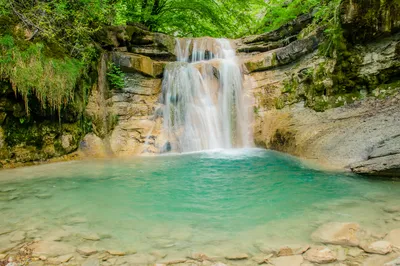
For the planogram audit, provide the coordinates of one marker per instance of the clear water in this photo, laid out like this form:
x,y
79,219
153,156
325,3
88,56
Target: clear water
x,y
214,202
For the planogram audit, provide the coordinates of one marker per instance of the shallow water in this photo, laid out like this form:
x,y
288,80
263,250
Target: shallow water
x,y
215,202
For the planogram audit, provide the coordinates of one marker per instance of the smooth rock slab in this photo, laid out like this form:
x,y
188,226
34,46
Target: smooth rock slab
x,y
344,234
394,237
320,255
86,251
51,249
378,247
295,260
18,236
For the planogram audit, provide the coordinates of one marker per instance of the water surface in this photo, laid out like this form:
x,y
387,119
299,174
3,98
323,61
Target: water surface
x,y
216,202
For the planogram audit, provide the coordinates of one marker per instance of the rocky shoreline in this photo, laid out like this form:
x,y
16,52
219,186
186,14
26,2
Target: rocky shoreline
x,y
333,243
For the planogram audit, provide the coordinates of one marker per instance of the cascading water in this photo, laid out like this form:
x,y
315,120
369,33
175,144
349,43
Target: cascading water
x,y
205,106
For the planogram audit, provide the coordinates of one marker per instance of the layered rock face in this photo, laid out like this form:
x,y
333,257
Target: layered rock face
x,y
342,110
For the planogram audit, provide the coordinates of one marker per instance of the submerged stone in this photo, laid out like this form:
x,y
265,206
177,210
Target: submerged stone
x,y
394,237
51,248
295,260
320,255
337,233
239,256
378,247
86,251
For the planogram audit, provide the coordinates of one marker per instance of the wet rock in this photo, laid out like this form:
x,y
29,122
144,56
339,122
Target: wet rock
x,y
56,235
394,262
239,256
262,258
392,209
173,261
91,237
301,250
18,236
51,249
91,262
381,166
5,231
378,247
198,256
116,252
295,260
159,254
77,220
136,259
86,251
337,233
320,255
285,251
375,260
92,146
43,196
60,259
394,237
354,252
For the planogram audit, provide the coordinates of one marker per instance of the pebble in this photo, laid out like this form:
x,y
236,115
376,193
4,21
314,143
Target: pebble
x,y
3,256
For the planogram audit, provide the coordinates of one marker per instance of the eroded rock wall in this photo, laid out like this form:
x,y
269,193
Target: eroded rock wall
x,y
340,110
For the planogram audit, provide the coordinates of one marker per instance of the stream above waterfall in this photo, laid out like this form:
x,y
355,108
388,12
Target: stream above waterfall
x,y
214,202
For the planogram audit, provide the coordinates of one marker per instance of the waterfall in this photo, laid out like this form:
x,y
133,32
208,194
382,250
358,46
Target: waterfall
x,y
204,104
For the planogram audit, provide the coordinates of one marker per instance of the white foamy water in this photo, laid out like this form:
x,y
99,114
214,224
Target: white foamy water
x,y
205,104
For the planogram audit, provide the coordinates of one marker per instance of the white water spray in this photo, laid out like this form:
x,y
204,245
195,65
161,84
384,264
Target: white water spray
x,y
205,106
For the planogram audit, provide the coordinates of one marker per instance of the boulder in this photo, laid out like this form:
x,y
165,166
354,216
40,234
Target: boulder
x,y
93,146
337,233
377,247
320,255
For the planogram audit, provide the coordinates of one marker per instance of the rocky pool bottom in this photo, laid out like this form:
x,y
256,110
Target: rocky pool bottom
x,y
236,207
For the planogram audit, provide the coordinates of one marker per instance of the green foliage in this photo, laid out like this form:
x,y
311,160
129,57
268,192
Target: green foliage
x,y
193,18
115,77
279,12
30,71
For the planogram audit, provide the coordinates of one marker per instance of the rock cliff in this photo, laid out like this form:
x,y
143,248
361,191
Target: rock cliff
x,y
337,108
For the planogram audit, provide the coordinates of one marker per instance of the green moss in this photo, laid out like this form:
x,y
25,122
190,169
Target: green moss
x,y
30,71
